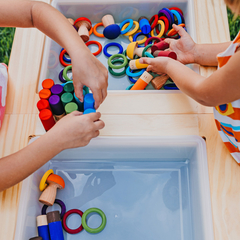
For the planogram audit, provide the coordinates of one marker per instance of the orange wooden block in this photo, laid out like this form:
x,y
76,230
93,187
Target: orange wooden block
x,y
142,82
159,81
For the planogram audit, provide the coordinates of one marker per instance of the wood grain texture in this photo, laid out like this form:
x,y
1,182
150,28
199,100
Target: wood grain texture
x,y
127,115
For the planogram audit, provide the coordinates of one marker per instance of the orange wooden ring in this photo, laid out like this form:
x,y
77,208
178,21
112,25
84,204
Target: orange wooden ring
x,y
61,58
90,31
99,46
172,32
95,30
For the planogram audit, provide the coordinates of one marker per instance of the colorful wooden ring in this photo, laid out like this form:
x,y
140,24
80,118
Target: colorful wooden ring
x,y
67,214
55,59
65,70
112,44
170,86
139,42
177,9
129,87
156,39
135,73
61,58
95,30
166,23
118,74
65,59
145,49
132,31
148,54
173,32
96,43
170,13
43,184
178,16
166,14
160,22
60,76
84,221
153,21
130,24
125,62
140,34
60,203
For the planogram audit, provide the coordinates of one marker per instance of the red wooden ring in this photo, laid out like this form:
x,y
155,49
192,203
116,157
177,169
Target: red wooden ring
x,y
155,18
97,43
177,9
157,39
82,19
61,58
166,22
64,221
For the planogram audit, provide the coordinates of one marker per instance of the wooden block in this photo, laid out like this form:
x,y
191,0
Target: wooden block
x,y
159,81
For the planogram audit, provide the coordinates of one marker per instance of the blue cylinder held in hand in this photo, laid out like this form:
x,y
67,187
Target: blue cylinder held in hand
x,y
88,101
55,225
89,110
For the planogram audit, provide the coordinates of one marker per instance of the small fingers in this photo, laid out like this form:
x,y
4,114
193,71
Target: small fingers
x,y
179,30
145,60
94,116
98,97
78,89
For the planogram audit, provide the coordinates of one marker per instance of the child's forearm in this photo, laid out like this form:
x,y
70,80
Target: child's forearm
x,y
16,167
186,79
206,54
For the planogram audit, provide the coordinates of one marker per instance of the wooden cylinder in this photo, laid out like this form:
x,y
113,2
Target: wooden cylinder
x,y
138,51
142,82
107,20
83,32
48,196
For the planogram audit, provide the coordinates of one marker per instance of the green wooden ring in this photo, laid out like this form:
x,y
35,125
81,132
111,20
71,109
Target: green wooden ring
x,y
66,69
102,215
115,73
118,66
145,49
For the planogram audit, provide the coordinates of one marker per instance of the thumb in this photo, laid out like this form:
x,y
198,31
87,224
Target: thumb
x,y
78,89
145,60
180,30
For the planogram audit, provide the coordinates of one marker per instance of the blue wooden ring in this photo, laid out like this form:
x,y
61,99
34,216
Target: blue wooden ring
x,y
112,44
135,74
170,86
65,59
148,54
130,21
139,34
178,16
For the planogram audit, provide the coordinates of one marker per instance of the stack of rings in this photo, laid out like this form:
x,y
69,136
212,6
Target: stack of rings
x,y
125,61
160,34
116,73
98,44
138,33
127,29
153,21
130,33
61,58
68,60
112,44
145,50
84,222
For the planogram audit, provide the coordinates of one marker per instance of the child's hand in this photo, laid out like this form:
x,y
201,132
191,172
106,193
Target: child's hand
x,y
88,70
157,65
76,130
184,47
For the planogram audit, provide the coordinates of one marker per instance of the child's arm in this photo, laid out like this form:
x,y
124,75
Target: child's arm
x,y
219,88
87,70
189,52
74,130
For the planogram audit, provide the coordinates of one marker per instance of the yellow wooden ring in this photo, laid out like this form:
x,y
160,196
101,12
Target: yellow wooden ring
x,y
133,31
140,41
43,184
162,29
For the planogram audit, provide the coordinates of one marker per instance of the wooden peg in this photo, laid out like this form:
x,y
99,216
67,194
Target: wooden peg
x,y
142,82
138,51
49,194
159,81
111,30
83,25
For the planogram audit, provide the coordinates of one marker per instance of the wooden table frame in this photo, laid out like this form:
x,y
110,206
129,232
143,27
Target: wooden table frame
x,y
147,115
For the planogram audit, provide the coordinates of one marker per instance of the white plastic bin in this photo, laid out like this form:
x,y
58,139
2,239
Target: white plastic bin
x,y
148,187
121,10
